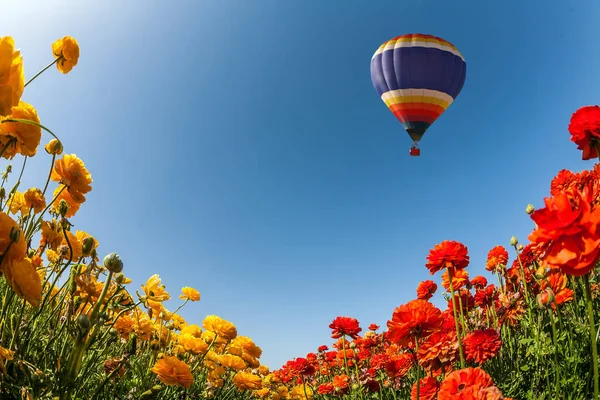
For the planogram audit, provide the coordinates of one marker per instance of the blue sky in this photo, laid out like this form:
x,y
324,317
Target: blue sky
x,y
239,147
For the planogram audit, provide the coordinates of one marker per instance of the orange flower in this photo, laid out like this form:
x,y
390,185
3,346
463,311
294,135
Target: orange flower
x,y
415,319
438,353
345,326
398,365
482,345
12,240
225,329
496,259
12,75
67,51
426,290
71,172
585,130
570,228
247,381
341,382
460,278
24,279
172,371
448,254
188,293
155,290
34,198
27,136
467,383
479,282
428,389
72,205
557,281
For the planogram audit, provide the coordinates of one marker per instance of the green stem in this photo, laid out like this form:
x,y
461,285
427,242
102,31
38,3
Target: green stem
x,y
418,368
590,310
460,349
49,174
27,121
556,364
45,68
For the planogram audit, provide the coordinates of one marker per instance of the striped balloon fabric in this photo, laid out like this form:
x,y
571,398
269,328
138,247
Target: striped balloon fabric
x,y
418,76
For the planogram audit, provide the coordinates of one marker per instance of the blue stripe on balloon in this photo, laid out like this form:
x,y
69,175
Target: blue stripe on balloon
x,y
418,68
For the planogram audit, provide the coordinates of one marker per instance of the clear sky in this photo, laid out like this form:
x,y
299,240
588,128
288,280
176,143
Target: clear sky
x,y
239,147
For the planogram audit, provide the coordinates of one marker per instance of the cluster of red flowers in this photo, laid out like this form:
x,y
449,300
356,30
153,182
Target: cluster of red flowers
x,y
447,352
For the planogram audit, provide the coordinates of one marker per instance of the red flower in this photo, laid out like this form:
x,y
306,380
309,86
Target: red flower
x,y
438,353
322,348
570,229
345,326
341,382
415,319
479,282
468,383
325,388
460,278
496,257
585,130
448,254
428,389
426,290
399,365
485,297
482,345
373,327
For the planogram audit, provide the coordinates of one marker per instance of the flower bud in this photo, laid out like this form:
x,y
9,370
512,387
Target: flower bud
x,y
513,241
63,207
113,263
87,245
54,146
540,272
352,345
83,322
545,298
529,209
120,278
520,247
9,168
2,193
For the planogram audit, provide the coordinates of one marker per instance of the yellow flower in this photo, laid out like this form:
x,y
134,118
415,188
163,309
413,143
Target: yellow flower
x,y
192,344
5,355
188,293
16,203
75,246
71,172
155,291
298,392
247,346
221,327
18,248
193,330
12,75
177,322
263,370
52,235
247,381
52,256
24,279
72,205
172,371
34,198
67,49
54,146
28,136
231,361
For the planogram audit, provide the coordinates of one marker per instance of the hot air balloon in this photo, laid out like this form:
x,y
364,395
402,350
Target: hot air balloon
x,y
418,76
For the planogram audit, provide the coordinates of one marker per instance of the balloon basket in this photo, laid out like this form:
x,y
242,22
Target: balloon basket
x,y
415,151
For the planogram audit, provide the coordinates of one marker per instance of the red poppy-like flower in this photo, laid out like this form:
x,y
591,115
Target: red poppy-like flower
x,y
570,229
448,254
399,365
325,388
585,130
415,319
426,290
464,300
460,279
496,257
486,296
428,389
322,348
567,180
373,327
345,326
557,281
379,360
438,353
468,383
479,282
482,345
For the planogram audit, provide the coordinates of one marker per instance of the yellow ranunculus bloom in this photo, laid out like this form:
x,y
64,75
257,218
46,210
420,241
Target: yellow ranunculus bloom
x,y
12,75
67,49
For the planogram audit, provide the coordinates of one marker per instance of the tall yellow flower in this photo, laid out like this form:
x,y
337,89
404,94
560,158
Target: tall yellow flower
x,y
231,361
154,290
71,172
172,371
12,75
28,136
188,293
72,205
67,49
34,198
247,381
16,203
24,279
221,327
192,344
12,250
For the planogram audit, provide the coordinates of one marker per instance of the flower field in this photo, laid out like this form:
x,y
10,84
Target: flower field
x,y
71,327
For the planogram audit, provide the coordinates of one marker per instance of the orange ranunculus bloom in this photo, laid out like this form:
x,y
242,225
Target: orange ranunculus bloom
x,y
155,290
71,172
557,281
460,279
438,353
415,319
189,293
397,366
247,381
12,75
468,383
18,248
172,371
34,198
479,282
24,279
341,381
225,329
571,230
428,389
426,290
345,326
585,130
27,136
67,49
72,204
448,254
482,345
496,257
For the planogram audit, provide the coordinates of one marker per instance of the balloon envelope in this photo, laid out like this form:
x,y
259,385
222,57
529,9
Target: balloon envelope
x,y
418,76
